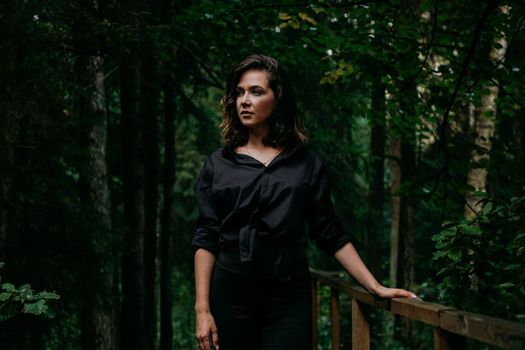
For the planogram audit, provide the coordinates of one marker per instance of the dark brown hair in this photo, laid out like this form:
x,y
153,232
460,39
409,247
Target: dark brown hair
x,y
285,126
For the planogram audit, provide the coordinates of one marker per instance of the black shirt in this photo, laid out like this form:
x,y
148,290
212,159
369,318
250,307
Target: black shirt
x,y
253,217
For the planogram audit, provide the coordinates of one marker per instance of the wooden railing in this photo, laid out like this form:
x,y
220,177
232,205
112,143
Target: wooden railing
x,y
452,327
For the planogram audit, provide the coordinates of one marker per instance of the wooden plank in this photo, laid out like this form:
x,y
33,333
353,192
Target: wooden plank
x,y
335,318
444,340
418,310
361,294
360,327
315,312
502,333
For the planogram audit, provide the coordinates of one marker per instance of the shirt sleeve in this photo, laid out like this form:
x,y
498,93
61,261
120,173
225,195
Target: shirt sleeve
x,y
206,234
324,225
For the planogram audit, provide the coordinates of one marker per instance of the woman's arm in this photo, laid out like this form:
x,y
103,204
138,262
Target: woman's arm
x,y
205,327
351,261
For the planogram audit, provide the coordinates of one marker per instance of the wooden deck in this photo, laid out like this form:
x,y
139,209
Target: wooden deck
x,y
451,326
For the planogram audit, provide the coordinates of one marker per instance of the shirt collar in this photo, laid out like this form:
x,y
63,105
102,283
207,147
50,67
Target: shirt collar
x,y
228,151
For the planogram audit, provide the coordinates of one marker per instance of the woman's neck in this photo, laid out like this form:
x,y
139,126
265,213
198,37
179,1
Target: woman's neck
x,y
255,138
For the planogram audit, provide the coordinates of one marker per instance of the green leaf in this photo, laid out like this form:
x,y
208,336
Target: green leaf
x,y
35,308
318,10
305,17
295,23
5,296
440,254
512,267
25,288
446,223
487,208
8,287
455,254
48,295
283,16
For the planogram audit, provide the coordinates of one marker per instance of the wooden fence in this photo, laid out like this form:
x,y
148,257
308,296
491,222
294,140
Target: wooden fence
x,y
452,327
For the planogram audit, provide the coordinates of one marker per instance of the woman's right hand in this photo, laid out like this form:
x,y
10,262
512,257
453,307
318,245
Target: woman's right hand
x,y
206,331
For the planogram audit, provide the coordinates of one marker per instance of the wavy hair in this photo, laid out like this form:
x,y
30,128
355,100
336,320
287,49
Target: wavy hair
x,y
285,126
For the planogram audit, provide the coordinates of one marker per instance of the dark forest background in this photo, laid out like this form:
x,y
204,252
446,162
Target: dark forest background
x,y
108,109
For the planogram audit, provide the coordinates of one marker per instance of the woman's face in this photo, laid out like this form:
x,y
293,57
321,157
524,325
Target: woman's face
x,y
255,99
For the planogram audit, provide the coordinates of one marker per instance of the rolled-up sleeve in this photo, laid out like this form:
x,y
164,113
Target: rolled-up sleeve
x,y
324,225
206,234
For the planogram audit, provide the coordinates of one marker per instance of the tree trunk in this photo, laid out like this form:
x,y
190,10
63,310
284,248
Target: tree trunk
x,y
483,127
168,183
376,197
405,266
99,331
7,111
6,161
406,232
395,146
402,226
405,273
149,97
133,334
166,333
519,181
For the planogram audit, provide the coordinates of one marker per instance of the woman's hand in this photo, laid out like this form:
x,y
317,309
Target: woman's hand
x,y
206,331
384,292
351,261
205,328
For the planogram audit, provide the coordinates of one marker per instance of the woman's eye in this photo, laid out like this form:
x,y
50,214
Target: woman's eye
x,y
257,93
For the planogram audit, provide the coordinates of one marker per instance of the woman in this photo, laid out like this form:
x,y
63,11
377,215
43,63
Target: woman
x,y
256,196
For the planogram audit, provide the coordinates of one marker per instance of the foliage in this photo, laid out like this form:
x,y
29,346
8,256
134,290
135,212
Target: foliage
x,y
183,310
336,53
23,299
481,262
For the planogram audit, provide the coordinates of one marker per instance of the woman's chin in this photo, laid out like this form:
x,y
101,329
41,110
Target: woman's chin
x,y
248,123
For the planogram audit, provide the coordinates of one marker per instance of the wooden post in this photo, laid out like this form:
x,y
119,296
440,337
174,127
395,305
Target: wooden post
x,y
315,311
360,327
444,340
334,315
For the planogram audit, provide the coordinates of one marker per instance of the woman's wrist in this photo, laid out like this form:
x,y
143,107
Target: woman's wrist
x,y
374,288
202,307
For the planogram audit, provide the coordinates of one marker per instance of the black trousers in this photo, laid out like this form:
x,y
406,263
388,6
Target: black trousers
x,y
259,314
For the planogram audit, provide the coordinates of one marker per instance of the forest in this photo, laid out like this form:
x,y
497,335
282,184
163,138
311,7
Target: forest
x,y
108,109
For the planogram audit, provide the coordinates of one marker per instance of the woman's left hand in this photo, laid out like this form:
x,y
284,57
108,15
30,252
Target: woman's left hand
x,y
351,261
384,292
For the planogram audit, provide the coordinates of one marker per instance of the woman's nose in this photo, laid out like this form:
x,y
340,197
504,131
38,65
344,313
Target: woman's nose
x,y
245,100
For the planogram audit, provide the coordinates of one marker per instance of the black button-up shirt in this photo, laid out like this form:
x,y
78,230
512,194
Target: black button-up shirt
x,y
253,217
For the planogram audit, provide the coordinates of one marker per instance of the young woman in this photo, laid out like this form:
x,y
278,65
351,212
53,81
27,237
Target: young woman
x,y
256,197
